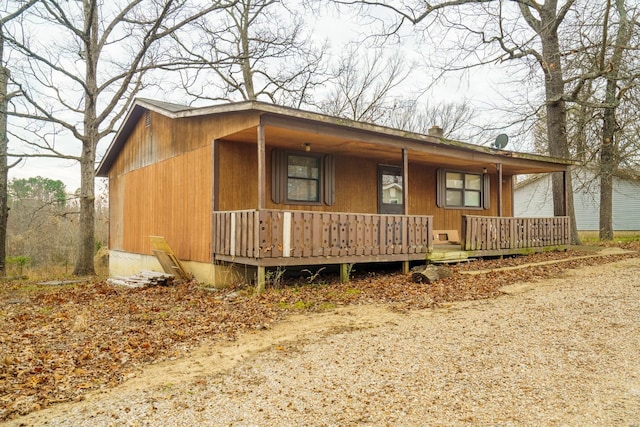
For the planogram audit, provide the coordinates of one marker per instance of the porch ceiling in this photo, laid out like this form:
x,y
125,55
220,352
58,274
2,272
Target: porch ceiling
x,y
389,150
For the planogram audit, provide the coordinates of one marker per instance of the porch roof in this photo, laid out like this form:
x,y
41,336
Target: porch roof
x,y
290,128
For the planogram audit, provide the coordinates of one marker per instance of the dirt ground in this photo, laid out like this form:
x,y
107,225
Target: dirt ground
x,y
565,353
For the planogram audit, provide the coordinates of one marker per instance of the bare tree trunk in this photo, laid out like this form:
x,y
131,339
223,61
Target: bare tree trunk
x,y
86,244
609,147
4,139
4,168
607,167
556,115
246,55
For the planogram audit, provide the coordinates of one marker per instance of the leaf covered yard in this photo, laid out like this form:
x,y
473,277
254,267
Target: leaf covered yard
x,y
59,342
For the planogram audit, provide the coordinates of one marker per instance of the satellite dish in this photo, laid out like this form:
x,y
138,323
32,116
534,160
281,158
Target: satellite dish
x,y
501,141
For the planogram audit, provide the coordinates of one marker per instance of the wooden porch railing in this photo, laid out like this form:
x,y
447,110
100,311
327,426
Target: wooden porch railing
x,y
498,233
261,234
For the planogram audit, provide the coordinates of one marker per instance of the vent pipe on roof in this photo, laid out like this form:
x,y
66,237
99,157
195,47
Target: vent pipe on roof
x,y
436,131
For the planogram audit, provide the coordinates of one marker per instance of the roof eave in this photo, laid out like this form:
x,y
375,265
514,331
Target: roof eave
x,y
178,111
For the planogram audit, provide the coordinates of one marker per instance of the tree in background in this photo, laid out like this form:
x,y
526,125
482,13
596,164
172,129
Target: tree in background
x,y
10,11
78,67
362,85
618,78
255,50
603,74
42,225
455,119
491,31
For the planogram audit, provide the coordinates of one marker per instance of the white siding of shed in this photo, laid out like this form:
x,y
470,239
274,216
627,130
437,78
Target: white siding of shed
x,y
535,199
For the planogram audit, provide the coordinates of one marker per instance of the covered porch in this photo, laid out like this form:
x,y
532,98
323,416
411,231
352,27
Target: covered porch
x,y
268,238
500,236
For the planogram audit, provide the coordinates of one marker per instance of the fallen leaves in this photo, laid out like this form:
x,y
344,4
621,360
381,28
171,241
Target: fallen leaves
x,y
58,343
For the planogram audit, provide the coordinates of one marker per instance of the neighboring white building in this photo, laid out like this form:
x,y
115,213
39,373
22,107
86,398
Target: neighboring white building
x,y
533,198
392,193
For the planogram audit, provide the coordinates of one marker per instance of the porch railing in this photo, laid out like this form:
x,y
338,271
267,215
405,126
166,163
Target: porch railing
x,y
498,233
268,233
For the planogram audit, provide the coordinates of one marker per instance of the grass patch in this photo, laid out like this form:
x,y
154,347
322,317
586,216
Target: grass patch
x,y
326,306
296,306
587,237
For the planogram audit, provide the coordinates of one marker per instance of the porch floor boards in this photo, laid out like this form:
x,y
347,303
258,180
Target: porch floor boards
x,y
440,254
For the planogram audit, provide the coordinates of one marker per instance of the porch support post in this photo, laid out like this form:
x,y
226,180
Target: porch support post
x,y
215,174
344,273
405,267
565,194
499,166
405,182
262,177
260,280
215,185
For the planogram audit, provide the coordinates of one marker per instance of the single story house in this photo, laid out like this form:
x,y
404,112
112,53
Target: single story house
x,y
532,197
238,188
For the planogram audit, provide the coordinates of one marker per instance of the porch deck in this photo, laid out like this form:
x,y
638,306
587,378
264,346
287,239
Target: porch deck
x,y
269,238
498,236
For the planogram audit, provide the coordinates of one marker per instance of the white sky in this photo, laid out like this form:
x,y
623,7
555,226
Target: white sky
x,y
338,29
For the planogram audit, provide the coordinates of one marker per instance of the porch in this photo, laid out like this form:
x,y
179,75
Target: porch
x,y
484,236
269,238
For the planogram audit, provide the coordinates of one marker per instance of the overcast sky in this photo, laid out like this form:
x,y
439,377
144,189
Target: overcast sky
x,y
338,29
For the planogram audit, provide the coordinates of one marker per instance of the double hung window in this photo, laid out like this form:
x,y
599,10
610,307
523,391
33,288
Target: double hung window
x,y
301,178
463,190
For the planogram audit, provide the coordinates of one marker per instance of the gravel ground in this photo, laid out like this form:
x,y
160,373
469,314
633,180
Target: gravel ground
x,y
558,352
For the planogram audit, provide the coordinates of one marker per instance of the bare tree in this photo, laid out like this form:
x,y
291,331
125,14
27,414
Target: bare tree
x,y
455,118
257,50
617,83
8,15
490,33
605,71
362,85
82,63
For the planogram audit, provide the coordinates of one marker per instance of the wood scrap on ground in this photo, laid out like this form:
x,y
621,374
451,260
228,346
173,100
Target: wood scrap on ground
x,y
167,259
430,273
142,279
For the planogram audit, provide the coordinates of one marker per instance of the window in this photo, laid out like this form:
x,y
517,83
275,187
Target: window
x,y
302,178
463,190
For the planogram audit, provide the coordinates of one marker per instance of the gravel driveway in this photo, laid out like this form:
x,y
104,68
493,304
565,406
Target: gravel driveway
x,y
559,352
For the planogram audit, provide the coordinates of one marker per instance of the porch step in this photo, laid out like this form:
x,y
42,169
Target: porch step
x,y
447,256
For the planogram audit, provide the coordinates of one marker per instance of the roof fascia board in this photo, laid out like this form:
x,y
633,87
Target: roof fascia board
x,y
291,118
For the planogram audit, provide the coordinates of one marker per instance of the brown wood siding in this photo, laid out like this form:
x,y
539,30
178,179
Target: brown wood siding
x,y
355,187
116,213
166,138
355,182
238,176
171,199
422,198
507,195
